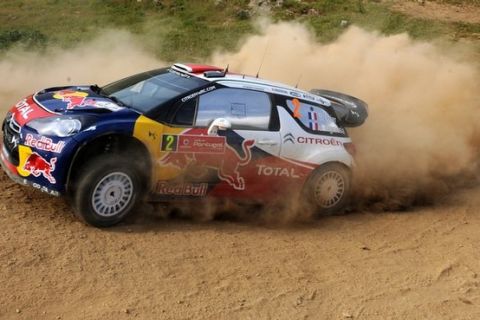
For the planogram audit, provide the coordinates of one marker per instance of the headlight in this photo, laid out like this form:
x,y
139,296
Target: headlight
x,y
56,126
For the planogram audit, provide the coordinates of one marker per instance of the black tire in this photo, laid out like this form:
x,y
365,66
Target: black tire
x,y
107,190
328,189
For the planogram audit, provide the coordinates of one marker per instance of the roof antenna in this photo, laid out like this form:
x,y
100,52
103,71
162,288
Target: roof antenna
x,y
226,69
263,58
298,82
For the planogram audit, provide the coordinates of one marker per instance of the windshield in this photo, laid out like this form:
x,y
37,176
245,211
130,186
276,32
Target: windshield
x,y
147,90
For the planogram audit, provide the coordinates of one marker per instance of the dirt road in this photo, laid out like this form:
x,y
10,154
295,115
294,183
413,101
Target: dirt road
x,y
412,265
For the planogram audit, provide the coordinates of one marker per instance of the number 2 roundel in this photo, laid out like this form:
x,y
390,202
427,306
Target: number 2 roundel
x,y
169,142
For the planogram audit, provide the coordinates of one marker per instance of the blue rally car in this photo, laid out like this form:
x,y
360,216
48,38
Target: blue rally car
x,y
184,132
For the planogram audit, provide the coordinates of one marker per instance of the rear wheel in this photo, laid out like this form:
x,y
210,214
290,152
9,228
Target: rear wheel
x,y
328,189
107,190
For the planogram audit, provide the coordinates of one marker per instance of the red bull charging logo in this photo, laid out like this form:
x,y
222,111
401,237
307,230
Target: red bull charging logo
x,y
71,97
227,164
37,165
76,99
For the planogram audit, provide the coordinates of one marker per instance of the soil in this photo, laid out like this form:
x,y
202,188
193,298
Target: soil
x,y
465,13
420,264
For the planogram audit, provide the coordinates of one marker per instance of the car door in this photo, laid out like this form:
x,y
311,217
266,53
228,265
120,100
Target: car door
x,y
253,138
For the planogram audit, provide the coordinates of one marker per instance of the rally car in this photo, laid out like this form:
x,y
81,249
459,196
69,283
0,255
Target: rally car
x,y
181,133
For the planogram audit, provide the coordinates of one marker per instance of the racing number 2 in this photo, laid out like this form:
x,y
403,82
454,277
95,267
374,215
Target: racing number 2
x,y
169,142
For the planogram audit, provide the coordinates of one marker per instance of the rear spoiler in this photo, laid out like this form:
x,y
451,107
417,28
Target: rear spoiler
x,y
350,111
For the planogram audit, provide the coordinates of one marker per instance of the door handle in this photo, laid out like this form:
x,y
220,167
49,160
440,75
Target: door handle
x,y
267,142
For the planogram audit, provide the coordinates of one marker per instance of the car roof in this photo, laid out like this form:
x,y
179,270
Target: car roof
x,y
233,80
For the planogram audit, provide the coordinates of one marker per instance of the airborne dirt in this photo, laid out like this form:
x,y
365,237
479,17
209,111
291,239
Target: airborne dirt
x,y
419,143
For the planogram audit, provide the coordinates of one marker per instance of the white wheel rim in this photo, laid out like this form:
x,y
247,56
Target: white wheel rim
x,y
329,189
112,194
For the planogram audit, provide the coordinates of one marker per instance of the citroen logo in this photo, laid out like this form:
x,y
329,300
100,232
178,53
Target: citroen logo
x,y
289,137
14,141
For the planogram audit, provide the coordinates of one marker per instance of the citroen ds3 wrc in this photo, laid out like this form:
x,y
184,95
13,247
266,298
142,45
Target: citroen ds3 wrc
x,y
182,133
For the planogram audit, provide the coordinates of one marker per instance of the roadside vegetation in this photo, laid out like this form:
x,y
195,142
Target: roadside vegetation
x,y
182,29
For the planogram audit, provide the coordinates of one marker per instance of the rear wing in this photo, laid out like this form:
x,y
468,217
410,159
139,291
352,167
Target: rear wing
x,y
350,111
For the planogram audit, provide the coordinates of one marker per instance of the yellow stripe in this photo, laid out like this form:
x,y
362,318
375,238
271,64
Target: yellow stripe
x,y
24,152
150,132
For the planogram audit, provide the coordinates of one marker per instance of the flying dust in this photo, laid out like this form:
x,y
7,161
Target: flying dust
x,y
420,140
418,143
109,57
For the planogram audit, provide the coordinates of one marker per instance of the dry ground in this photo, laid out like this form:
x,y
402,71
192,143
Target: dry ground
x,y
466,13
422,264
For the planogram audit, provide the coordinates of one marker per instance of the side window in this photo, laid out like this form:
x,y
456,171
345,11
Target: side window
x,y
185,113
313,117
245,109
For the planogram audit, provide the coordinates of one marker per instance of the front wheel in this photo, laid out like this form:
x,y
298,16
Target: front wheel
x,y
328,189
107,190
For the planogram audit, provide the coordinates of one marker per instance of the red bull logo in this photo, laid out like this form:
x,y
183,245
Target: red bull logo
x,y
71,97
227,165
37,165
76,99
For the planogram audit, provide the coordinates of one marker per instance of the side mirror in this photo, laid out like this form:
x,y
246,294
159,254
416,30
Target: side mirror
x,y
219,124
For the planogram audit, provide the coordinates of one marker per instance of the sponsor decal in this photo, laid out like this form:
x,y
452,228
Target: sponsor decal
x,y
193,144
44,143
264,170
14,140
71,97
279,90
321,141
296,111
44,189
308,97
295,94
289,137
91,102
37,165
193,95
24,108
227,165
152,135
182,189
179,73
355,113
252,87
80,99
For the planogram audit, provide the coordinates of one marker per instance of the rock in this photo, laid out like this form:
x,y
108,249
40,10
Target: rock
x,y
126,311
344,23
243,14
466,301
347,315
299,301
18,310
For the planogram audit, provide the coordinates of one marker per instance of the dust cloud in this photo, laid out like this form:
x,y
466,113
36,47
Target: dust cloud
x,y
419,140
109,57
417,144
